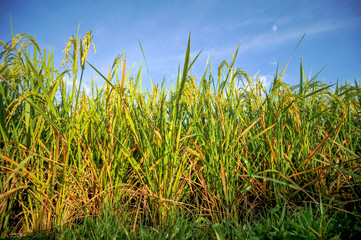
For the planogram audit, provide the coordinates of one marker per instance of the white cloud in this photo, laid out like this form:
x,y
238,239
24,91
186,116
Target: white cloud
x,y
266,80
274,28
84,86
273,63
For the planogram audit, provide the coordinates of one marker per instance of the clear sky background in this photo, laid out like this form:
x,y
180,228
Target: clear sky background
x,y
269,31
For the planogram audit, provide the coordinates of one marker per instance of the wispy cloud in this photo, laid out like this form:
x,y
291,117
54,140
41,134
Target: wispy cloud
x,y
274,28
275,38
273,63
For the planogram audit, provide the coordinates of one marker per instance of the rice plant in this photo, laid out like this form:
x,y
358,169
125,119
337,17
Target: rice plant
x,y
220,148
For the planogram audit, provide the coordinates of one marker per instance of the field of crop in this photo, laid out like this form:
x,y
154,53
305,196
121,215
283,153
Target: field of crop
x,y
218,152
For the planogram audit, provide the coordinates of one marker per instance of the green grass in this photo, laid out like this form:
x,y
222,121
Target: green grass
x,y
204,156
278,223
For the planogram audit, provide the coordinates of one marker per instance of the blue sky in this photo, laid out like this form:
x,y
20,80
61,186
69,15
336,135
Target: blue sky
x,y
269,31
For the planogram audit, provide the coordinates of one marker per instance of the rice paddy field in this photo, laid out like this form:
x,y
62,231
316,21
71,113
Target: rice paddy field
x,y
214,157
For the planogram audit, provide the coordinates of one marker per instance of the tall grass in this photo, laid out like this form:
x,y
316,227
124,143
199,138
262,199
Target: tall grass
x,y
220,147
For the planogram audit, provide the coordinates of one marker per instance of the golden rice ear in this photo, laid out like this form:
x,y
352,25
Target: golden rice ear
x,y
87,41
67,51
